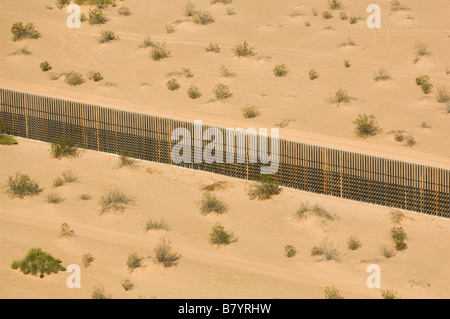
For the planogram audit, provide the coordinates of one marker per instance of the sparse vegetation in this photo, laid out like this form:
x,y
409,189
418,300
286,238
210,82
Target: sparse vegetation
x,y
349,42
7,140
389,294
332,293
307,24
398,236
99,293
221,1
164,254
353,243
339,97
38,262
222,92
20,51
160,52
343,16
147,43
125,159
219,236
397,6
424,82
187,73
170,28
45,66
189,9
213,47
21,185
442,95
127,284
211,204
264,189
124,11
306,211
353,19
87,259
410,141
115,200
244,50
156,225
107,37
21,31
366,125
226,72
193,92
334,4
325,249
173,84
66,231
421,49
85,196
290,251
69,177
134,261
327,15
74,78
347,64
62,3
96,16
397,216
218,185
312,74
54,198
94,76
280,70
230,11
381,75
202,17
63,147
250,112
387,251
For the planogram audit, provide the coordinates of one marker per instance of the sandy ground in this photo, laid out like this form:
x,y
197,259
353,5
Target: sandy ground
x,y
253,267
277,31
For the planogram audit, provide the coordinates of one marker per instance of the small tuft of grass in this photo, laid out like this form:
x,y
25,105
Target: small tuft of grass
x,y
202,17
250,112
189,9
264,189
164,254
99,293
170,28
332,293
213,47
339,97
343,16
306,211
327,15
307,24
244,50
389,294
397,216
211,204
188,73
156,225
147,43
45,66
349,42
353,243
347,64
94,76
20,51
381,75
74,78
85,196
66,231
124,11
62,3
396,6
115,200
421,49
353,19
312,74
442,95
410,141
366,125
230,11
108,36
135,261
21,185
173,84
7,140
193,92
222,92
87,260
159,52
54,198
219,236
63,147
69,177
314,12
218,185
128,285
387,251
398,236
334,4
325,249
424,82
226,72
290,251
280,70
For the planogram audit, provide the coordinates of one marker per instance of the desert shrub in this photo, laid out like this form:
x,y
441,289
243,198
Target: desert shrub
x,y
164,254
45,66
94,76
425,125
87,259
170,28
66,231
397,216
85,196
244,50
366,125
108,36
202,17
189,9
398,236
312,74
54,198
410,141
316,251
115,200
305,211
21,51
187,73
353,243
159,52
69,176
22,185
381,75
219,236
290,251
173,84
96,16
343,16
265,188
230,11
424,82
59,181
99,293
327,15
222,91
389,294
21,31
213,47
7,140
218,185
397,6
63,147
442,96
74,78
226,72
387,251
193,92
398,135
250,112
125,159
147,43
325,249
221,1
134,261
98,3
211,204
339,97
156,225
347,64
127,284
353,19
307,24
124,11
38,262
280,70
62,3
421,49
332,293
334,4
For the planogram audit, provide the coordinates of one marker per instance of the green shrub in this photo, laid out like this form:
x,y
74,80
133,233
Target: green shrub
x,y
45,66
156,225
115,200
193,92
250,112
173,84
264,189
7,140
22,185
73,78
389,294
226,72
366,125
347,64
290,251
442,96
305,211
160,52
164,254
339,97
327,15
94,76
343,16
87,259
213,47
124,11
312,74
187,73
398,236
96,16
127,284
202,17
66,231
219,236
332,293
381,75
211,204
134,261
222,92
63,147
125,159
38,262
99,293
334,4
27,31
387,252
280,70
108,36
244,50
353,243
54,198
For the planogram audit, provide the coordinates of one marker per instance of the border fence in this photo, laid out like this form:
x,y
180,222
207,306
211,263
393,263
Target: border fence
x,y
311,168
